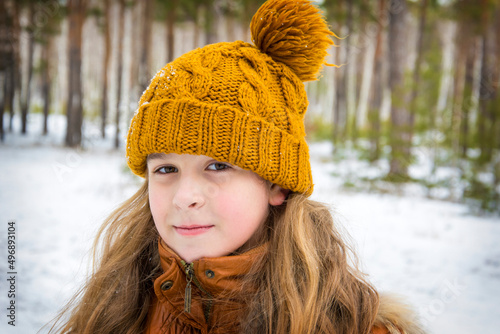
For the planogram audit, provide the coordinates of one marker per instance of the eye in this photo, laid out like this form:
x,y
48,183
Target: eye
x,y
166,170
218,166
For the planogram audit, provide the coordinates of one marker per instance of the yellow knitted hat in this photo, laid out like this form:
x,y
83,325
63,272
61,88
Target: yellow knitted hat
x,y
237,102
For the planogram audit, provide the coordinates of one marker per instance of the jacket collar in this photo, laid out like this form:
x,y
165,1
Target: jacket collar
x,y
219,276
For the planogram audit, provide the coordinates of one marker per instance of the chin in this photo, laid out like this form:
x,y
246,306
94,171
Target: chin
x,y
193,257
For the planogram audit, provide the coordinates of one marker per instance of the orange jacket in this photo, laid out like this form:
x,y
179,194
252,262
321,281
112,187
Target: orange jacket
x,y
208,278
220,277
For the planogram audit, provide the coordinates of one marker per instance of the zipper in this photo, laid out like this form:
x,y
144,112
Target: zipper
x,y
187,292
191,277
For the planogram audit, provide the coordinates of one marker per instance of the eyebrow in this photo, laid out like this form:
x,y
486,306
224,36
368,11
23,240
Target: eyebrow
x,y
153,156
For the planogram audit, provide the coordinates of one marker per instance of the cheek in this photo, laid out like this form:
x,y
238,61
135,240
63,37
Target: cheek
x,y
246,210
157,203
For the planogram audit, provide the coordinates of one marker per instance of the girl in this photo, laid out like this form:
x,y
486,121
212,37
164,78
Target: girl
x,y
222,237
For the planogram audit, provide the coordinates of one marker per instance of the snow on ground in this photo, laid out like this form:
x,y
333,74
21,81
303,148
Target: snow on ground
x,y
443,260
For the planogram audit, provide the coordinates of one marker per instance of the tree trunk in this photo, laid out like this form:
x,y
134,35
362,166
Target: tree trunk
x,y
418,64
107,54
144,65
496,103
462,44
400,137
496,80
5,59
196,26
467,99
487,91
377,89
347,78
11,83
211,21
230,25
26,92
171,17
363,72
2,100
340,77
447,39
340,108
46,82
121,28
196,35
74,110
13,79
249,8
484,97
135,91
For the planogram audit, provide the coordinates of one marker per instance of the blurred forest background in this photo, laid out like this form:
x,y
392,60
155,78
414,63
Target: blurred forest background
x,y
418,79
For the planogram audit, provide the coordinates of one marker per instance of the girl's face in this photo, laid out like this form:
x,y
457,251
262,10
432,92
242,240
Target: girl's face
x,y
206,208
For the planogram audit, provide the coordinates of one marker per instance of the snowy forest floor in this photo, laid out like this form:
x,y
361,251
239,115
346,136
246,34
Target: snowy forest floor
x,y
444,260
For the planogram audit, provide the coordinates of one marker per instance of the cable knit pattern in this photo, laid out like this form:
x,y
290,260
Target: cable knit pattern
x,y
234,103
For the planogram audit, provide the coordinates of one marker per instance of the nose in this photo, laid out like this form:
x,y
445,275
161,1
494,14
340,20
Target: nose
x,y
189,194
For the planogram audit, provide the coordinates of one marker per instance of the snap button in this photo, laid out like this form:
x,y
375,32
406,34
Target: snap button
x,y
167,285
209,273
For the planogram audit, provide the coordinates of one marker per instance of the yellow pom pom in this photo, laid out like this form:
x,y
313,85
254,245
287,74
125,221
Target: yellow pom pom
x,y
292,32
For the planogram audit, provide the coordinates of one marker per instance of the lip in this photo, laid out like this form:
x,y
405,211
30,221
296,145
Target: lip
x,y
192,230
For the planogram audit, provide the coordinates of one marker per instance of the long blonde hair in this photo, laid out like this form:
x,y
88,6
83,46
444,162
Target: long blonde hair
x,y
116,297
305,283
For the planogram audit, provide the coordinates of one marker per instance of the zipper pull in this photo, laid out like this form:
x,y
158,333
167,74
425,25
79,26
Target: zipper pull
x,y
187,292
187,297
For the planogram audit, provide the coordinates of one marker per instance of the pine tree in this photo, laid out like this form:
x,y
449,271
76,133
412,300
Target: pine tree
x,y
74,109
400,133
